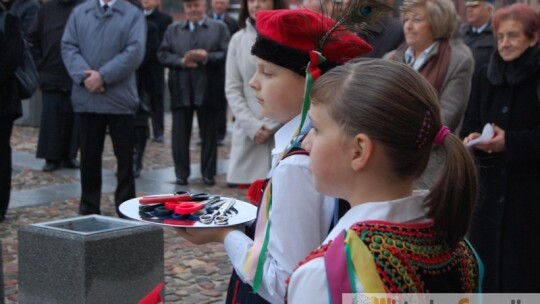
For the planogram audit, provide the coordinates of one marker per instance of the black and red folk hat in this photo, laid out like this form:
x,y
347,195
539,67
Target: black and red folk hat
x,y
288,37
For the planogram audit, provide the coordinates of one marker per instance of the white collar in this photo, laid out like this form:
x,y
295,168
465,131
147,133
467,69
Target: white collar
x,y
283,136
149,12
192,24
403,210
418,62
480,29
110,3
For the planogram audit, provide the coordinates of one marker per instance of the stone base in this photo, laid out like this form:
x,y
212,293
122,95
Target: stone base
x,y
90,259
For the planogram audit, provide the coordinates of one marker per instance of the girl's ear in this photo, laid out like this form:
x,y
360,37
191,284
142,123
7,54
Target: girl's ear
x,y
362,151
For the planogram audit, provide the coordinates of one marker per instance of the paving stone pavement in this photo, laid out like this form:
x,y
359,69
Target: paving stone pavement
x,y
193,274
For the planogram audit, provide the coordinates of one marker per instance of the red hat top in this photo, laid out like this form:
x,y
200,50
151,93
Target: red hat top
x,y
286,38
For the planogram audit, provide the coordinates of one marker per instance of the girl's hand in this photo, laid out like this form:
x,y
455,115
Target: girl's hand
x,y
201,236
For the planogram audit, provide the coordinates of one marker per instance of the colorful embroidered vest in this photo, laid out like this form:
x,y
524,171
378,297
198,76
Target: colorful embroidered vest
x,y
397,258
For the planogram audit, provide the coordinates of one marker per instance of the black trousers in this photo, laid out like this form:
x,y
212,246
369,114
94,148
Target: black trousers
x,y
6,127
181,137
222,119
58,133
152,76
156,100
92,132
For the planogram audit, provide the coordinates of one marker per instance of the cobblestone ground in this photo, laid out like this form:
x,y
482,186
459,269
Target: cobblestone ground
x,y
193,274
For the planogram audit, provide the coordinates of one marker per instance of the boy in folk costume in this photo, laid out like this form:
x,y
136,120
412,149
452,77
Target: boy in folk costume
x,y
293,218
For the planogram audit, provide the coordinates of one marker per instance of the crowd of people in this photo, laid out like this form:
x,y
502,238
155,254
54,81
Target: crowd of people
x,y
360,127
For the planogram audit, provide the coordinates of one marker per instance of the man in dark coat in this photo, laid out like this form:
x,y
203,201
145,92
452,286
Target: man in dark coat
x,y
195,51
11,50
477,33
154,81
219,12
57,142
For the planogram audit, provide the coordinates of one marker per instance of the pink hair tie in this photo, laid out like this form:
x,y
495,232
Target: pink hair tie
x,y
441,135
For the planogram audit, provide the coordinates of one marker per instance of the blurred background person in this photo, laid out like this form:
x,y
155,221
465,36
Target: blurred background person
x,y
384,36
58,140
252,134
11,56
146,85
313,5
219,12
24,10
477,33
104,91
446,63
195,50
506,94
154,81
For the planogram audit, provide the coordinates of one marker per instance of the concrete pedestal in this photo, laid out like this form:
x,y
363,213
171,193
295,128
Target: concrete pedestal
x,y
89,259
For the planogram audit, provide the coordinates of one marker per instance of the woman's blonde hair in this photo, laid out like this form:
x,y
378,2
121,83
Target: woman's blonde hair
x,y
442,16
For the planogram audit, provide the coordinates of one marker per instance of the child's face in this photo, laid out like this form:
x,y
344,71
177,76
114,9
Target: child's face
x,y
330,153
278,90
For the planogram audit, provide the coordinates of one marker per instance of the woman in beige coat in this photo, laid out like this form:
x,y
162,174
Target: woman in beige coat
x,y
252,135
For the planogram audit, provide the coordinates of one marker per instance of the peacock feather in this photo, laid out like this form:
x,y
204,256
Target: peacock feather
x,y
357,16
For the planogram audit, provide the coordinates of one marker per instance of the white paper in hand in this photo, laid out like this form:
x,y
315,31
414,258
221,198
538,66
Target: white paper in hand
x,y
487,133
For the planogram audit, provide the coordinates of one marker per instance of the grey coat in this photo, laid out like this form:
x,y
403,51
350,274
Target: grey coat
x,y
453,97
454,94
112,43
206,81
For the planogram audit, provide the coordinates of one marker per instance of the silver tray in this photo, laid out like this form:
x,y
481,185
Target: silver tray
x,y
242,212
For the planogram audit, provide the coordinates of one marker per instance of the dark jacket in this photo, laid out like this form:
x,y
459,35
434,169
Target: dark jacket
x,y
385,36
202,82
161,21
11,50
26,11
232,24
45,35
144,78
481,45
505,221
151,67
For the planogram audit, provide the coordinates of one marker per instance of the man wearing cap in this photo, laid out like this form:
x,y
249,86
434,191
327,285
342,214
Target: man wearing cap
x,y
477,33
194,50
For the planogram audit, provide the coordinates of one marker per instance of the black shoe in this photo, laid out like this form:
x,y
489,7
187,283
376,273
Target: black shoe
x,y
182,181
71,163
51,166
209,181
158,139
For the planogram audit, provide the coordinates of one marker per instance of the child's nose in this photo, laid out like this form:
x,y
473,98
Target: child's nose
x,y
252,83
307,143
